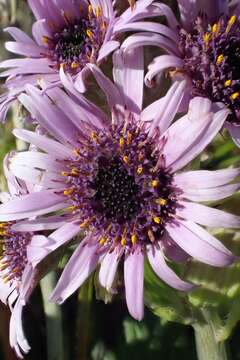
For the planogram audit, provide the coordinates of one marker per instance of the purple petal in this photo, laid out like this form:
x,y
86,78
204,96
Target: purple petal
x,y
81,264
198,243
107,49
108,269
161,63
207,216
234,132
34,204
165,273
41,246
187,137
133,280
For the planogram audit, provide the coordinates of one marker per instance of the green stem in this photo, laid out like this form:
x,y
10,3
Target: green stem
x,y
53,319
208,348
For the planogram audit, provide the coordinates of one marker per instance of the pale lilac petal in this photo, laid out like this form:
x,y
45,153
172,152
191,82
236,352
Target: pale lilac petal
x,y
139,8
38,160
108,268
234,132
21,48
40,29
5,290
172,251
168,108
107,49
128,73
150,39
81,264
207,216
204,179
133,280
41,246
198,243
40,224
167,11
19,35
111,91
165,273
211,194
49,116
148,26
17,337
188,12
37,8
187,137
32,205
161,63
53,147
94,111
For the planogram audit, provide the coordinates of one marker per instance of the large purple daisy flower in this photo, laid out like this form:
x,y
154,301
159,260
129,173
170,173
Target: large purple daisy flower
x,y
119,183
69,34
205,49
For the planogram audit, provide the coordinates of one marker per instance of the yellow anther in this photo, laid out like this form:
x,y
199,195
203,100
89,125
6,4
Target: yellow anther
x,y
3,267
64,173
74,65
129,138
206,37
154,183
45,39
227,83
89,34
234,96
139,170
3,225
214,28
157,220
102,240
220,59
98,11
77,152
232,20
90,9
121,142
161,202
134,239
85,224
3,232
123,241
126,159
72,208
74,171
94,136
68,191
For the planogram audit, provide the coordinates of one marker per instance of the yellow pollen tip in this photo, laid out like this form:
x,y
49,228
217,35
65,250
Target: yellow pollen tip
x,y
220,59
161,202
68,191
3,225
102,240
74,171
76,152
232,20
3,232
234,96
89,34
157,220
121,142
154,183
45,39
123,241
227,83
206,37
139,170
126,159
90,9
74,65
214,28
72,208
64,173
129,138
98,11
134,239
84,224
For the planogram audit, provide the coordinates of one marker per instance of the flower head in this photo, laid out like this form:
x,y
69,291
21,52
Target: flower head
x,y
204,49
118,183
66,33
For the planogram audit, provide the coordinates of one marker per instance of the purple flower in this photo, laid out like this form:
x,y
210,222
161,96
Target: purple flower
x,y
119,183
205,48
18,277
69,34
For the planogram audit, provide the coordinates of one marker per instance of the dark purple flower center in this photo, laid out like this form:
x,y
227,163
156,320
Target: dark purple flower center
x,y
211,55
79,42
14,252
118,188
